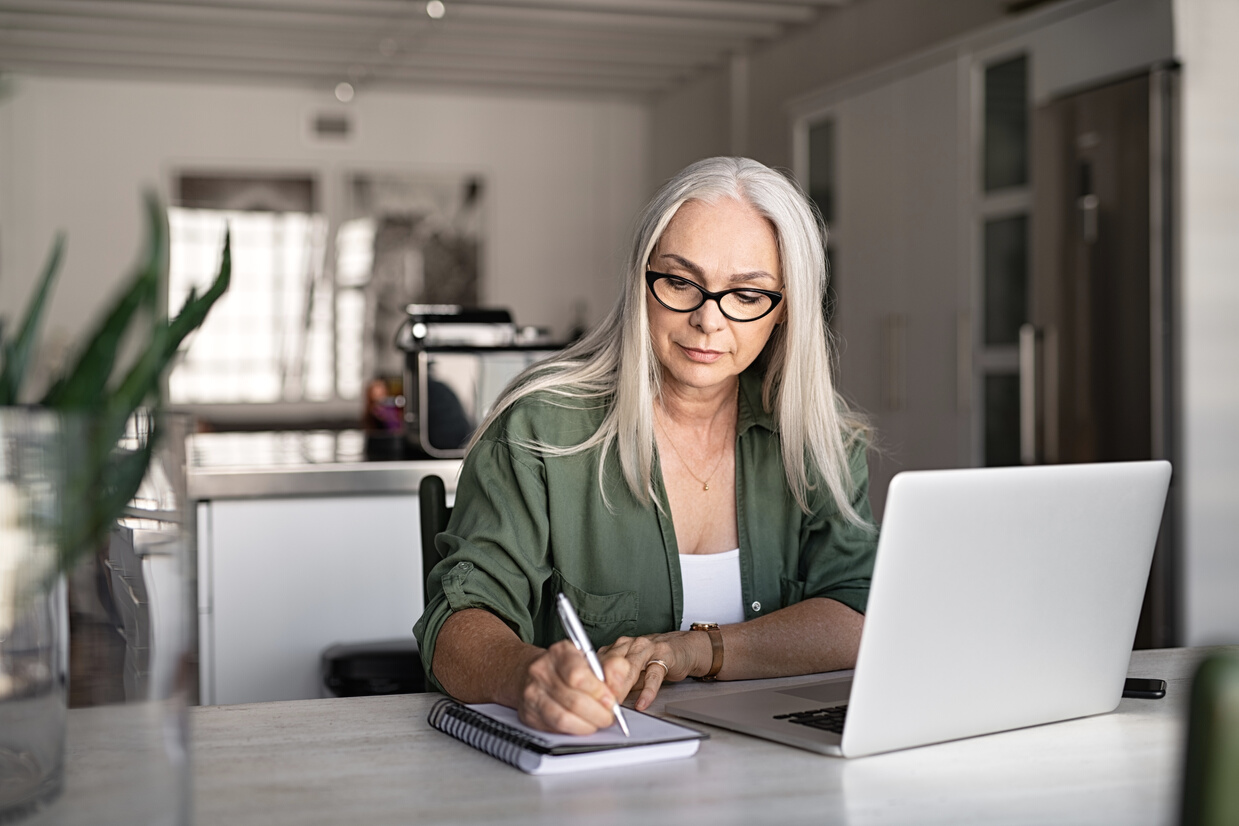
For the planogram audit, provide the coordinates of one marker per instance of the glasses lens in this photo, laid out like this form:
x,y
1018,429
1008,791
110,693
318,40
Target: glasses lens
x,y
745,304
677,294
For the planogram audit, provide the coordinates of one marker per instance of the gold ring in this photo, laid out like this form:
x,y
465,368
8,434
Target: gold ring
x,y
666,670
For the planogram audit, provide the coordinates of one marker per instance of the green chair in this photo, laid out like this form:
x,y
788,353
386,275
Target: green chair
x,y
1211,774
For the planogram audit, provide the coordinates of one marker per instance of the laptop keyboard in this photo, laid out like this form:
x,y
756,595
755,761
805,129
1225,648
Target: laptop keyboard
x,y
827,719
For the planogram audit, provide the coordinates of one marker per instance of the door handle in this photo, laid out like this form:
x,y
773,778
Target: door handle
x,y
1029,338
1089,206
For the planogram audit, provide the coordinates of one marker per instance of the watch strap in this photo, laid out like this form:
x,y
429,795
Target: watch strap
x,y
716,648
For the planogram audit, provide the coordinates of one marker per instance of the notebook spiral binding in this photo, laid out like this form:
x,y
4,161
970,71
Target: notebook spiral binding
x,y
499,741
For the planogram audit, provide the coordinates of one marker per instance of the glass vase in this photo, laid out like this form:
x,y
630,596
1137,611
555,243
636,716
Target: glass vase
x,y
33,616
120,617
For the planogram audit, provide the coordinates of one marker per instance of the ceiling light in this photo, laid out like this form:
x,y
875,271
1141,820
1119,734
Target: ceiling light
x,y
344,92
436,9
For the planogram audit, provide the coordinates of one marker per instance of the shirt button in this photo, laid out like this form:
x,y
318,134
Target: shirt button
x,y
465,566
756,606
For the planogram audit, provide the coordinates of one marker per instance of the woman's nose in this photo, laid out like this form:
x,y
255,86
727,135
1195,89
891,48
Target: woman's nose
x,y
708,317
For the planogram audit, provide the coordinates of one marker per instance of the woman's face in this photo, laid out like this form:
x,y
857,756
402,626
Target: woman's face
x,y
718,246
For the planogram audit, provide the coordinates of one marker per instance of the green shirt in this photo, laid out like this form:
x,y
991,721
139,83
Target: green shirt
x,y
526,526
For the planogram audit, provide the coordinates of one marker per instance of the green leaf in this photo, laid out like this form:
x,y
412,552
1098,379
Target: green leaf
x,y
195,309
140,385
104,485
17,351
86,381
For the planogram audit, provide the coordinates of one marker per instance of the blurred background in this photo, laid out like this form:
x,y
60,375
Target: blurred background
x,y
1033,212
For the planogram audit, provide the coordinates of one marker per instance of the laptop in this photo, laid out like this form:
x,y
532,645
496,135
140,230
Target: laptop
x,y
1001,598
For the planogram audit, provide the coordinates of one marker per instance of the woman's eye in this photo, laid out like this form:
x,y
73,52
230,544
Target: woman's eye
x,y
749,298
680,286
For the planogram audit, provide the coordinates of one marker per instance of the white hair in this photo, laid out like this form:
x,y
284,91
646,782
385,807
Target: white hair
x,y
615,363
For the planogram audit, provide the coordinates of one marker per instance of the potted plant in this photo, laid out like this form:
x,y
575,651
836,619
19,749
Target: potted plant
x,y
70,464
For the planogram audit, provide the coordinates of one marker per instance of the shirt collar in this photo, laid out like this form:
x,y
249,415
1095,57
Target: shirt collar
x,y
751,410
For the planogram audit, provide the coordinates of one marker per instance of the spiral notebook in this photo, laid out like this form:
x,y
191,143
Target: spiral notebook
x,y
496,730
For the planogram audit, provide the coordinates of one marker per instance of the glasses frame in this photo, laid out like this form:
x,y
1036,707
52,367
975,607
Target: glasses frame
x,y
651,277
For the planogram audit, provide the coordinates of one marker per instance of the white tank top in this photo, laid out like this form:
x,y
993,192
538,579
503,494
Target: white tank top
x,y
711,588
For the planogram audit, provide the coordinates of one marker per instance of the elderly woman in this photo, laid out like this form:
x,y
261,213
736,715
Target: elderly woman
x,y
686,474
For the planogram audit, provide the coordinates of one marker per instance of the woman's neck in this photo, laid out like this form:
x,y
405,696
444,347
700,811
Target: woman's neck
x,y
702,408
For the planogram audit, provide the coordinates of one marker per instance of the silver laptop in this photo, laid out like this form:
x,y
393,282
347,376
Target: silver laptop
x,y
1001,598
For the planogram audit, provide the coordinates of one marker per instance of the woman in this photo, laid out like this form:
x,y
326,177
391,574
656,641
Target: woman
x,y
687,462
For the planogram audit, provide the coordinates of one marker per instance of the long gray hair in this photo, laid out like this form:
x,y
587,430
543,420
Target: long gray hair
x,y
615,363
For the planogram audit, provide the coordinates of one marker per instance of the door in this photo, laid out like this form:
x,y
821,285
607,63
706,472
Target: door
x,y
1093,371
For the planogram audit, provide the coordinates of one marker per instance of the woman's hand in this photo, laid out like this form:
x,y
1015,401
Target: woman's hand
x,y
561,693
654,660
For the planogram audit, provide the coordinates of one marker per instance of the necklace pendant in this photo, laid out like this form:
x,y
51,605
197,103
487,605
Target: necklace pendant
x,y
705,486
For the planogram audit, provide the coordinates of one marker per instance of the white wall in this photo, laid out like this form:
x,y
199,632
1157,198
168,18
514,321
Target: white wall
x,y
691,123
1206,32
564,177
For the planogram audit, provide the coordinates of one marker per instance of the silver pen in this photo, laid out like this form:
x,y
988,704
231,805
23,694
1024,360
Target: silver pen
x,y
576,632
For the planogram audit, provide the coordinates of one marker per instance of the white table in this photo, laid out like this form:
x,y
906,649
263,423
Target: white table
x,y
376,761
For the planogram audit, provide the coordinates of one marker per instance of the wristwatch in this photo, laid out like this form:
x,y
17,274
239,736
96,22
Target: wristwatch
x,y
716,648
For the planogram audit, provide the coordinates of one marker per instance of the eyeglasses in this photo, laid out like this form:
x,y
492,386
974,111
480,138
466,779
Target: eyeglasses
x,y
683,296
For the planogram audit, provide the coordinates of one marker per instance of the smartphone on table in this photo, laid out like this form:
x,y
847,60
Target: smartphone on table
x,y
1144,688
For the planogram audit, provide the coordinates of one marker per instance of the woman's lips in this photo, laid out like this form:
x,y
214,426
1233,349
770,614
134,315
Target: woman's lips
x,y
702,356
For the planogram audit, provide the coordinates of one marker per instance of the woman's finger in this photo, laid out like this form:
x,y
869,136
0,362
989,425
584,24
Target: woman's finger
x,y
622,672
562,694
653,676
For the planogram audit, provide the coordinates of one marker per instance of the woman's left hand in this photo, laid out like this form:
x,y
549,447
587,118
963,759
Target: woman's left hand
x,y
657,658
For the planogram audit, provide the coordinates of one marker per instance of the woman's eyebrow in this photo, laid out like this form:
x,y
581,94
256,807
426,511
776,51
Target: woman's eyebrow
x,y
696,270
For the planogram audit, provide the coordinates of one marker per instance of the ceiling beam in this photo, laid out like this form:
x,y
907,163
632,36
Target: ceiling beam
x,y
304,74
779,12
121,50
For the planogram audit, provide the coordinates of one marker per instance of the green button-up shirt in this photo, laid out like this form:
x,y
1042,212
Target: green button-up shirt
x,y
526,526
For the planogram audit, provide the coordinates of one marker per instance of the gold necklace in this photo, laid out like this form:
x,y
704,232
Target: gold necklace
x,y
705,483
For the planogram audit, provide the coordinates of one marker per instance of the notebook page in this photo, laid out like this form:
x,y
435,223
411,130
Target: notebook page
x,y
644,727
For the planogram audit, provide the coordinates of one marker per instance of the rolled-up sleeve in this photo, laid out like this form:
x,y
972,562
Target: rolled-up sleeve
x,y
494,548
836,556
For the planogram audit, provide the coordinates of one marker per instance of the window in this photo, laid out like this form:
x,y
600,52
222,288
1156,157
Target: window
x,y
1003,207
822,193
268,339
1006,124
317,293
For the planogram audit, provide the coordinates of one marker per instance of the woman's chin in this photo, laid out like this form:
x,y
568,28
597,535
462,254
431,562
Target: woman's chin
x,y
690,374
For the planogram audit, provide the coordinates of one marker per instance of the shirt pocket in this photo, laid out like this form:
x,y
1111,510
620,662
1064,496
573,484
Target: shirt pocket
x,y
791,591
605,616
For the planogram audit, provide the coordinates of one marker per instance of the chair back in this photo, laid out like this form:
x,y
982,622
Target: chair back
x,y
432,504
1211,775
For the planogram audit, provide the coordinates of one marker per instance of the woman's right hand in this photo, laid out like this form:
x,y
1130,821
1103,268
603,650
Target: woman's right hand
x,y
561,693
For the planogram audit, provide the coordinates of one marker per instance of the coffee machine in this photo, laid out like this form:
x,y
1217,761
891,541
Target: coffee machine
x,y
457,362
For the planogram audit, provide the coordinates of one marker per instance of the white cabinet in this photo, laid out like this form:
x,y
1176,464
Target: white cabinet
x,y
280,579
902,276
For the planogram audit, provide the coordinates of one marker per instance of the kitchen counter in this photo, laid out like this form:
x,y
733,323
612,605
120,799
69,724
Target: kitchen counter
x,y
301,463
300,507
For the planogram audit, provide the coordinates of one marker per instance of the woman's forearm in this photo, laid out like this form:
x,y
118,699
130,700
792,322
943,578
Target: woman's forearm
x,y
479,659
805,638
